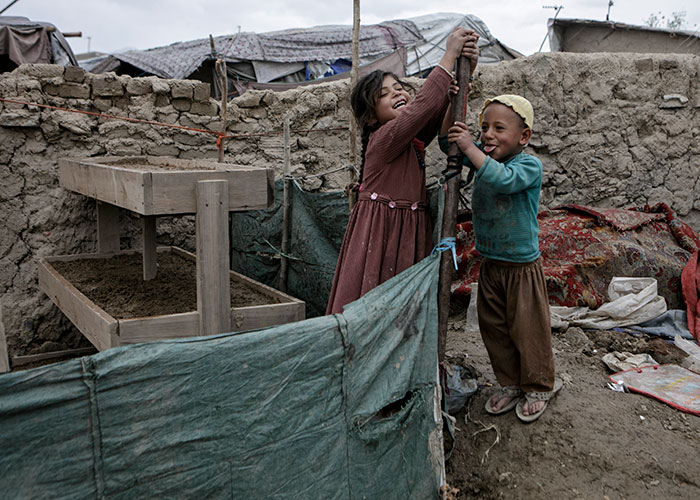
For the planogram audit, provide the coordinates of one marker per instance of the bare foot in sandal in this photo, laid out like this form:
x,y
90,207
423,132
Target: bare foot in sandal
x,y
505,399
531,409
533,404
498,403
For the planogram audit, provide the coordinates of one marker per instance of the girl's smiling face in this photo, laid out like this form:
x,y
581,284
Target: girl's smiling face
x,y
391,100
503,132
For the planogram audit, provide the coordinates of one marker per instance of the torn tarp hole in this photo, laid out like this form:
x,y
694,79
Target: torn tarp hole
x,y
394,407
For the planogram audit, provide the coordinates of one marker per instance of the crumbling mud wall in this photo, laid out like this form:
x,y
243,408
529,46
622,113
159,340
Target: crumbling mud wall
x,y
612,130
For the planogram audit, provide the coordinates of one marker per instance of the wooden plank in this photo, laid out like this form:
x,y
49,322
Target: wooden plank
x,y
169,326
148,247
213,284
68,258
175,192
254,317
264,289
4,359
163,186
97,326
183,325
57,355
107,227
250,282
119,186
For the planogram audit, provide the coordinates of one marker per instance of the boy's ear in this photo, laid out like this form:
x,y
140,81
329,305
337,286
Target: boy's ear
x,y
525,136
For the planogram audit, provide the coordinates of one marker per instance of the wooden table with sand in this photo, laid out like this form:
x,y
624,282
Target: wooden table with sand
x,y
160,186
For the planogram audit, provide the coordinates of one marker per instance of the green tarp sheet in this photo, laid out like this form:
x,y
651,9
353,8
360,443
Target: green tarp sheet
x,y
317,224
339,406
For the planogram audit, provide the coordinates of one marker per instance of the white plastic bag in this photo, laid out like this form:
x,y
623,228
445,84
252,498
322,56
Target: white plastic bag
x,y
472,324
632,301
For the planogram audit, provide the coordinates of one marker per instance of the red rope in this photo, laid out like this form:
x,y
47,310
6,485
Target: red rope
x,y
220,135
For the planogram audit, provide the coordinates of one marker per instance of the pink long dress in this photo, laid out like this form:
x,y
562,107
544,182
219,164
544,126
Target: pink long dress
x,y
389,228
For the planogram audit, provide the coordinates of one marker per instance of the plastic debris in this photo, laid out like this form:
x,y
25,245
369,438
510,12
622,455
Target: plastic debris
x,y
460,388
621,361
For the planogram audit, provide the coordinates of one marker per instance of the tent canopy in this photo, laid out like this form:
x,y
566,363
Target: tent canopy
x,y
25,42
306,54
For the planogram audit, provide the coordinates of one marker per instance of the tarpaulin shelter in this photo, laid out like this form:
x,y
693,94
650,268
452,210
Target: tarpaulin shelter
x,y
31,42
298,55
317,226
342,406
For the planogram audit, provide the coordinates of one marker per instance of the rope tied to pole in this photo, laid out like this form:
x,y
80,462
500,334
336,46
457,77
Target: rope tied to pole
x,y
448,243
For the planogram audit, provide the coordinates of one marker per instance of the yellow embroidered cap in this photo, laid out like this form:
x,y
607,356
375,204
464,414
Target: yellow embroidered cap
x,y
519,104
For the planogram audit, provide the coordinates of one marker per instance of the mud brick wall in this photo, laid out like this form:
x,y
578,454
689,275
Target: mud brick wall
x,y
612,130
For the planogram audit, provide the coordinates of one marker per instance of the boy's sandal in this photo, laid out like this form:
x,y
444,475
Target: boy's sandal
x,y
509,391
532,397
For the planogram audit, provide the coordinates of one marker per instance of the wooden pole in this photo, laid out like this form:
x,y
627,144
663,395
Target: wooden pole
x,y
449,216
148,247
352,196
213,276
4,359
223,77
285,209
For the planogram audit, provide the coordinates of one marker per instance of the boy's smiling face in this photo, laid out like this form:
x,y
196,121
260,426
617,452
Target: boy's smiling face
x,y
391,100
503,132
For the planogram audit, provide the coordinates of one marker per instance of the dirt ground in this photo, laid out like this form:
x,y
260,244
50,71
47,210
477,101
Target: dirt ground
x,y
591,443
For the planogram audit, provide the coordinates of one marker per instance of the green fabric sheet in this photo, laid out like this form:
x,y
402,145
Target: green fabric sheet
x,y
297,411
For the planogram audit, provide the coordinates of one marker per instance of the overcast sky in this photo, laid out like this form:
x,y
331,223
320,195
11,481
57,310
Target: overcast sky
x,y
117,25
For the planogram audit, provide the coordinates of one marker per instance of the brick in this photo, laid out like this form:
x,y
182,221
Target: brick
x,y
202,92
74,90
139,86
40,70
182,89
74,74
107,85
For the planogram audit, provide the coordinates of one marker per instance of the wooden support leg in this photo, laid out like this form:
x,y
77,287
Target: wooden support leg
x,y
107,227
4,359
148,246
213,280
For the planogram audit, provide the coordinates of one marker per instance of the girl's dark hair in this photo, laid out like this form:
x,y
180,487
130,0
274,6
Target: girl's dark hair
x,y
363,101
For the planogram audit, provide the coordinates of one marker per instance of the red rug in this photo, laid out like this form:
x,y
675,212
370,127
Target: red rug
x,y
583,248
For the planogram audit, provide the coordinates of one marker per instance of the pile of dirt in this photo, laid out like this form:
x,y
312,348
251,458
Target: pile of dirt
x,y
591,442
116,285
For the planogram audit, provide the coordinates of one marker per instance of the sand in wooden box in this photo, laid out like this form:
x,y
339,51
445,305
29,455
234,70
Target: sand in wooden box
x,y
108,301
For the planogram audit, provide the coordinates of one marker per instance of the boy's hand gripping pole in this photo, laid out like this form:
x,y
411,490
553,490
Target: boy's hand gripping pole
x,y
449,216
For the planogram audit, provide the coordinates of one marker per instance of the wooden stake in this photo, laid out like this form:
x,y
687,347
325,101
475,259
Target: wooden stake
x,y
223,77
352,196
148,247
4,360
213,282
449,216
286,207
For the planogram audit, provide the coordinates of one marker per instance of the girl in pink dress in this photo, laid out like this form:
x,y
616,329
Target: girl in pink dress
x,y
389,228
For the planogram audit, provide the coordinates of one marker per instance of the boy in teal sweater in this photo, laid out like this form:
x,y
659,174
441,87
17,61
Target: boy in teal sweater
x,y
512,301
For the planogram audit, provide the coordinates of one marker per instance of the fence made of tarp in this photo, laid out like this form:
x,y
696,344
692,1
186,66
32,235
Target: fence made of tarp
x,y
340,406
317,223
